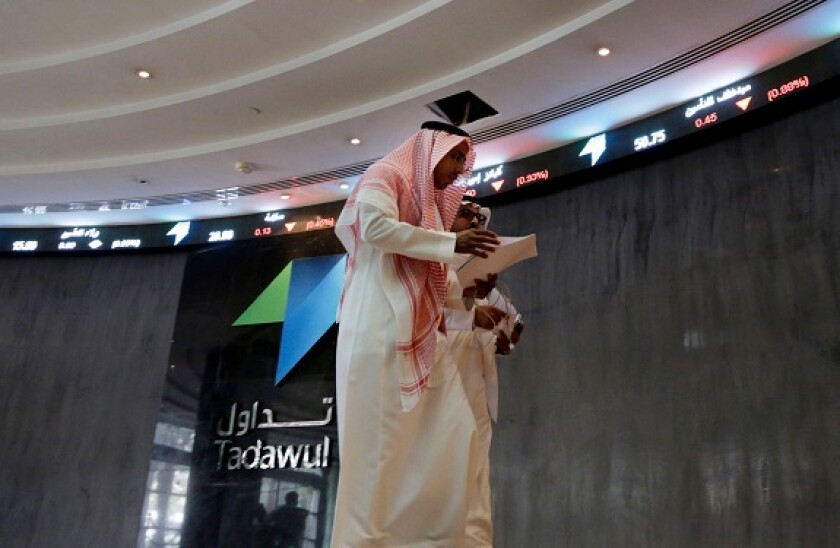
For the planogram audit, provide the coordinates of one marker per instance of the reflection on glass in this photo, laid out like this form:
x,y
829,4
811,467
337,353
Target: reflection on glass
x,y
177,437
228,488
180,480
163,509
292,512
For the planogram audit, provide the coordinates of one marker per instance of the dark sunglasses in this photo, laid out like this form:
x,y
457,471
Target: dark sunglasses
x,y
469,215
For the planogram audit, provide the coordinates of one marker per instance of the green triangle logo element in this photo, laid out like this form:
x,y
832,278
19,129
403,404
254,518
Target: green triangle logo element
x,y
270,306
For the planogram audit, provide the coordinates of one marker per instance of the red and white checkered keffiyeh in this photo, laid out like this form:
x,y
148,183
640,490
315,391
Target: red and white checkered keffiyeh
x,y
405,176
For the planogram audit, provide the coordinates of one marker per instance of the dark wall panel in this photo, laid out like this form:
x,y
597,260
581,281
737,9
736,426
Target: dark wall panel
x,y
678,381
83,349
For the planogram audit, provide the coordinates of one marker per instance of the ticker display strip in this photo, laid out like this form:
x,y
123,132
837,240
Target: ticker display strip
x,y
174,234
708,110
705,111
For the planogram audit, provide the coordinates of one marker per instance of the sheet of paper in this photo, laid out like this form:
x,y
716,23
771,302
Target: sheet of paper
x,y
508,253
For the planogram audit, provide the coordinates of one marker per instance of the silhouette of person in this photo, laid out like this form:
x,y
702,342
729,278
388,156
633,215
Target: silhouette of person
x,y
287,523
261,530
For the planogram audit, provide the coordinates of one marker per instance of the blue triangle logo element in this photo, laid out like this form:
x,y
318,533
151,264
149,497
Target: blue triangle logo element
x,y
314,292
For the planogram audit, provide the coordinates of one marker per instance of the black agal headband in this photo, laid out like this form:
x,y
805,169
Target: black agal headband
x,y
448,128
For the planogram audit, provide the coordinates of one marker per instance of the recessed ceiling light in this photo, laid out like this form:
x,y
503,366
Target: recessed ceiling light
x,y
603,52
285,197
344,186
145,74
355,141
244,167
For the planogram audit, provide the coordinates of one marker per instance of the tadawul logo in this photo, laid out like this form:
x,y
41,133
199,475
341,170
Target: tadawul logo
x,y
304,296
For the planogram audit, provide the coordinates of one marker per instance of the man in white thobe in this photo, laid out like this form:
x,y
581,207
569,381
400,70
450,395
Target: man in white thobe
x,y
407,436
473,321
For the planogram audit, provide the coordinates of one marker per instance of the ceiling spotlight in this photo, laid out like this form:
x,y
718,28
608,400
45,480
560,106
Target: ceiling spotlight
x,y
355,141
144,74
344,186
244,167
285,197
603,52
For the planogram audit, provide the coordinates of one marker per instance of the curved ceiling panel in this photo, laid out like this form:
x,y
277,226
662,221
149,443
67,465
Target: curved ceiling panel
x,y
261,40
338,87
36,34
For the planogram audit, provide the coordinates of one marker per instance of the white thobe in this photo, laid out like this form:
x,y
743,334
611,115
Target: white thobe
x,y
473,350
406,477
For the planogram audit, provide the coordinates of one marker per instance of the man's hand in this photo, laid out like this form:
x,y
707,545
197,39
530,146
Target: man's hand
x,y
488,317
517,332
502,344
482,287
476,241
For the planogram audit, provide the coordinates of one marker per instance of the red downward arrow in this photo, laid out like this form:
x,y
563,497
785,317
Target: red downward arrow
x,y
744,103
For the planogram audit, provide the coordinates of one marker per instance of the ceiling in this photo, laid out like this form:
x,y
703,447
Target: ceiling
x,y
283,85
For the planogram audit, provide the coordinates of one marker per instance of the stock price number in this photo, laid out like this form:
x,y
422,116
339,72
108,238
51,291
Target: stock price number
x,y
532,178
784,89
704,121
220,236
646,141
30,245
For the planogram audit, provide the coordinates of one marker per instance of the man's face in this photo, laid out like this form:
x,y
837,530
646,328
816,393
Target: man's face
x,y
451,166
467,217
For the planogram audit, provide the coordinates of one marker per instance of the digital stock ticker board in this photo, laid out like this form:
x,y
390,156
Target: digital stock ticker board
x,y
708,110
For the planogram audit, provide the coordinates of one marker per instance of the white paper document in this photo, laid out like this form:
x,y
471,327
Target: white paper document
x,y
508,253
